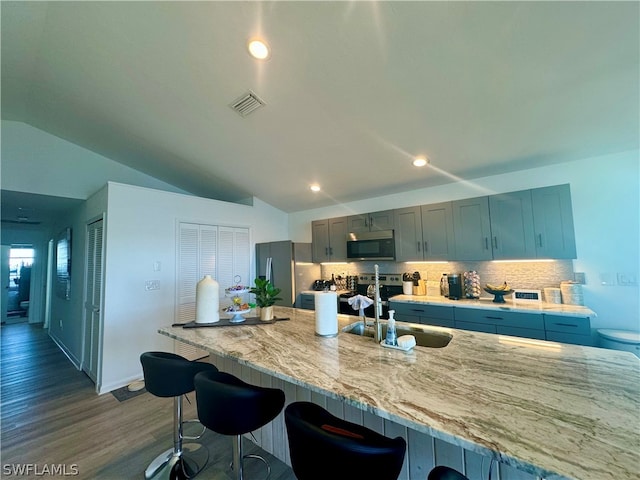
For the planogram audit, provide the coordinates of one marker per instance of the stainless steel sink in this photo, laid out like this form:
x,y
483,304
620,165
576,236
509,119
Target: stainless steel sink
x,y
425,336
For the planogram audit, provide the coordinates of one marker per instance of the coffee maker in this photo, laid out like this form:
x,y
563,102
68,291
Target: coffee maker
x,y
455,286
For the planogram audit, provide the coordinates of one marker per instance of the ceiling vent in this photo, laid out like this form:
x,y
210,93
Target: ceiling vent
x,y
246,104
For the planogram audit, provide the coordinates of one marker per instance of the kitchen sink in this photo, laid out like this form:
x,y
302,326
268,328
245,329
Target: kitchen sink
x,y
425,336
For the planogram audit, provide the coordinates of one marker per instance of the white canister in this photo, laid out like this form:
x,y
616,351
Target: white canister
x,y
552,295
207,301
326,314
407,288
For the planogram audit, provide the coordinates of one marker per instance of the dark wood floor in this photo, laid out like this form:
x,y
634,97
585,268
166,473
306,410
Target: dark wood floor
x,y
51,418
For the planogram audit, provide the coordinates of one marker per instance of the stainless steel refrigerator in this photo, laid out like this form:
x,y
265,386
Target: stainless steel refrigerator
x,y
288,265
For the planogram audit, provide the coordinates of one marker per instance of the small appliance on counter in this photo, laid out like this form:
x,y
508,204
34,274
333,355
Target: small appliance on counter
x,y
472,284
455,286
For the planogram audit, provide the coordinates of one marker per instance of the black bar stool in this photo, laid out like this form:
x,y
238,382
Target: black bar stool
x,y
445,473
323,446
170,375
229,406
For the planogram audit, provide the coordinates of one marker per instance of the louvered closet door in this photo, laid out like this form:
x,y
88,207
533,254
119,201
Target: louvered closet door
x,y
93,300
197,253
233,254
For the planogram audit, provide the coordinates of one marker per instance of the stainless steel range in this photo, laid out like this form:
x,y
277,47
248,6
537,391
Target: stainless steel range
x,y
390,285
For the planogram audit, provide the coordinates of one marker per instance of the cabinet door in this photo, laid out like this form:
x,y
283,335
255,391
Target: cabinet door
x,y
338,239
358,223
437,231
408,234
512,225
553,222
472,229
381,220
320,240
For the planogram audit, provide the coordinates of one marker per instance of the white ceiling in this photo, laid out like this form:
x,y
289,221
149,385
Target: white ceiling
x,y
353,89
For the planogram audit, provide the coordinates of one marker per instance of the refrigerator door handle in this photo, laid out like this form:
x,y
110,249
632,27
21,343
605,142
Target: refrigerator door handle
x,y
269,269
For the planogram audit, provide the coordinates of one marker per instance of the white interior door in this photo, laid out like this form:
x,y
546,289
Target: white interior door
x,y
93,301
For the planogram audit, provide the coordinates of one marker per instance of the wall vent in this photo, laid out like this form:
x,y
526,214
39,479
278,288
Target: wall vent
x,y
247,103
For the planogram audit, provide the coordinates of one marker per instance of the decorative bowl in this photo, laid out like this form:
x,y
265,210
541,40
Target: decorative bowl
x,y
498,294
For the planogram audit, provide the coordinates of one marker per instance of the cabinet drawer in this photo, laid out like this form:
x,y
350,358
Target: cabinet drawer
x,y
307,302
498,317
438,322
561,323
570,338
401,317
476,327
430,311
521,332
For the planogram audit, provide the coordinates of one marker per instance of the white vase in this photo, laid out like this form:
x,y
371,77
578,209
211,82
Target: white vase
x,y
266,313
207,301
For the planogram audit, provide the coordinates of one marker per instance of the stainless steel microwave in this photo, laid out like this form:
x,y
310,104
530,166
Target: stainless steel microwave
x,y
378,245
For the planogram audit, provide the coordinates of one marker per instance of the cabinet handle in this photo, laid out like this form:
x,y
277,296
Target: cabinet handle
x,y
494,318
417,310
486,243
540,240
426,246
330,251
326,250
418,246
566,325
495,242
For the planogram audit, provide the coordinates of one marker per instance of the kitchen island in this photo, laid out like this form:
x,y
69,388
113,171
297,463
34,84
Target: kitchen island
x,y
543,409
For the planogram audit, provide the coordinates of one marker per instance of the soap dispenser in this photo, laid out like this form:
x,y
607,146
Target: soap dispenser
x,y
392,336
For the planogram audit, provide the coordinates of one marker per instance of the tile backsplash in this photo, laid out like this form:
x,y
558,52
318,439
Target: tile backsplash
x,y
529,275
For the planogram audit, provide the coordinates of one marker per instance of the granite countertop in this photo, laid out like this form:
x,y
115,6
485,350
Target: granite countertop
x,y
509,305
554,410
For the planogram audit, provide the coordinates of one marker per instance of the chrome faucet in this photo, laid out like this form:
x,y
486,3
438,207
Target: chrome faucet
x,y
377,327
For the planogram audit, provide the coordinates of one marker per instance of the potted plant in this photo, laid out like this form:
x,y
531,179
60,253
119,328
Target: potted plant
x,y
266,296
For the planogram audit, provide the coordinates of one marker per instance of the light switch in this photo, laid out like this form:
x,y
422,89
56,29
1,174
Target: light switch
x,y
157,266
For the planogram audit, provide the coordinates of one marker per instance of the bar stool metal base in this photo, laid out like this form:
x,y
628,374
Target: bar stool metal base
x,y
170,465
237,465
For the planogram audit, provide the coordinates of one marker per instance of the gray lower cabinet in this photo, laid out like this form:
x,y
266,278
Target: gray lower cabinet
x,y
529,325
424,314
307,301
560,328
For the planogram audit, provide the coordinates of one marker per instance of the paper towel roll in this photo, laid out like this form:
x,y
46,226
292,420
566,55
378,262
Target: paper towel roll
x,y
207,301
552,295
326,314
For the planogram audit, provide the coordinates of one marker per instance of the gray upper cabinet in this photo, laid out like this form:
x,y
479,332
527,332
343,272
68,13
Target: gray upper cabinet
x,y
424,233
472,229
371,222
408,234
553,222
329,240
437,231
512,226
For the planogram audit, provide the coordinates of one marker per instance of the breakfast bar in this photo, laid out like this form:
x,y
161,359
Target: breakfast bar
x,y
538,409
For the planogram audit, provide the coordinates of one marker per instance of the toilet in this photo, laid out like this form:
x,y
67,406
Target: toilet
x,y
620,340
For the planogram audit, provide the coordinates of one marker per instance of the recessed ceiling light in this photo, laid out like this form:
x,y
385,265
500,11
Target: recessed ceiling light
x,y
315,187
420,161
258,49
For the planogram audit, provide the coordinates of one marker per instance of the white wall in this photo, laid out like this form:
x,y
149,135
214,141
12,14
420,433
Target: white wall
x,y
141,230
606,211
34,161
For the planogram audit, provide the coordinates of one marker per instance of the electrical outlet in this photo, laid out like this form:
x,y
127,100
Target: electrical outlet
x,y
152,285
607,279
580,278
627,280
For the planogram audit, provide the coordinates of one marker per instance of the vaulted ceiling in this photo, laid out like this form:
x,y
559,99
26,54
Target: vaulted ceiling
x,y
353,90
